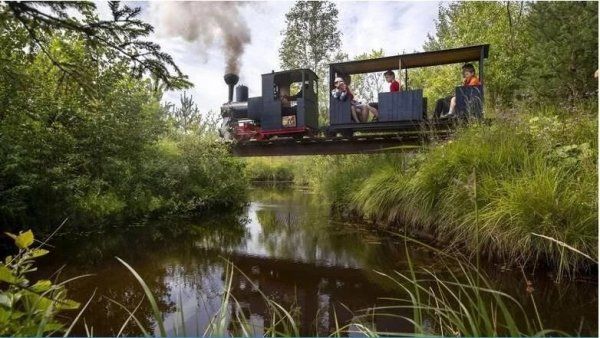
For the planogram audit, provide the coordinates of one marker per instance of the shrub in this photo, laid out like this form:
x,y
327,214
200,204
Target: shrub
x,y
270,169
26,308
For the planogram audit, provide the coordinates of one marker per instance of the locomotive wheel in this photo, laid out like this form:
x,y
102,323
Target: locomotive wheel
x,y
298,137
348,133
330,134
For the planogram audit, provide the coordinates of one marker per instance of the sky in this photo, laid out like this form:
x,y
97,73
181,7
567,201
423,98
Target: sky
x,y
395,27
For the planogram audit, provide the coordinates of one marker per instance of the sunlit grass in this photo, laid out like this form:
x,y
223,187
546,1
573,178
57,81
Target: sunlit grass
x,y
530,179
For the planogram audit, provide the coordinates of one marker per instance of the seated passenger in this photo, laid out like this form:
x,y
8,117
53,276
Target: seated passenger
x,y
341,92
296,96
359,110
445,107
390,78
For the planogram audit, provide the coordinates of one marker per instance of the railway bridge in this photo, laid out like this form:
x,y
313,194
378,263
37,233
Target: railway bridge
x,y
411,138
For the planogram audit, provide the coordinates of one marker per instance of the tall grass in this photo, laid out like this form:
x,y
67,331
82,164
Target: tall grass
x,y
447,302
461,303
536,175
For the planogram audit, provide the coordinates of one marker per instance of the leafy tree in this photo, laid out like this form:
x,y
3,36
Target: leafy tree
x,y
119,39
187,115
469,23
366,86
311,40
311,35
563,50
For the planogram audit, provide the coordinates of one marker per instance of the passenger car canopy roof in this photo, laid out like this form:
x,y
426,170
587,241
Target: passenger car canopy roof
x,y
414,60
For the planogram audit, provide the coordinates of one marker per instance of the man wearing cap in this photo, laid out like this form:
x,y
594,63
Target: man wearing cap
x,y
342,92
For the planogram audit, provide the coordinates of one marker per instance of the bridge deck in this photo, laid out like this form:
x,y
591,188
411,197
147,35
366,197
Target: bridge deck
x,y
367,144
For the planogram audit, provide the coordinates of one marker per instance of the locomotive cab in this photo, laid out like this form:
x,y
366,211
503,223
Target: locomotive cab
x,y
288,104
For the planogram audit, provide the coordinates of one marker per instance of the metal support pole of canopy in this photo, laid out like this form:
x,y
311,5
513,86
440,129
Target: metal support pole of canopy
x,y
400,73
302,85
481,55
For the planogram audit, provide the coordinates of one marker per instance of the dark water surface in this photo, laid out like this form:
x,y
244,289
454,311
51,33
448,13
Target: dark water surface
x,y
292,249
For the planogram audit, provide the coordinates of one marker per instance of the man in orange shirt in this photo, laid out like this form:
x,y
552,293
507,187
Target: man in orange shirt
x,y
449,103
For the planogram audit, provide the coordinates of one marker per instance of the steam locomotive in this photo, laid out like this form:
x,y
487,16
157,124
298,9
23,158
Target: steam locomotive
x,y
275,112
279,113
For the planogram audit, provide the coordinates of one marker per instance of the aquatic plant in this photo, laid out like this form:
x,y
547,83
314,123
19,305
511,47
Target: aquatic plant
x,y
30,308
457,303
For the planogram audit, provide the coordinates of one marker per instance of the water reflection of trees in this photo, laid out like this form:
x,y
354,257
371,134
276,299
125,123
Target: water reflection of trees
x,y
299,228
170,255
310,263
318,296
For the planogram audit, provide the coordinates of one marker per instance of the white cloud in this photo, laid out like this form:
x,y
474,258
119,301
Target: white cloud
x,y
393,26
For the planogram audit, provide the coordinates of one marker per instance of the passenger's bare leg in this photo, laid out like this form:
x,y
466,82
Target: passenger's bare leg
x,y
364,115
452,105
374,111
354,117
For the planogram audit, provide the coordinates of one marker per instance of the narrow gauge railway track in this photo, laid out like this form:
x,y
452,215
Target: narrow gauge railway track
x,y
358,144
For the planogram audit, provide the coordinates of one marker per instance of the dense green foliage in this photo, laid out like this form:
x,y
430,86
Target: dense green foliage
x,y
564,54
114,155
27,308
263,169
539,51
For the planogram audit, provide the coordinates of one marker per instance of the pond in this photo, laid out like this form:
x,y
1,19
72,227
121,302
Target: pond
x,y
292,249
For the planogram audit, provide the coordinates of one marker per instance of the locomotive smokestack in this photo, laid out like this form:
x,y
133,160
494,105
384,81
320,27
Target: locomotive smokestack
x,y
231,80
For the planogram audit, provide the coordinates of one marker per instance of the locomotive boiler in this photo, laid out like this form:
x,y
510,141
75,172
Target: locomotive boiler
x,y
233,112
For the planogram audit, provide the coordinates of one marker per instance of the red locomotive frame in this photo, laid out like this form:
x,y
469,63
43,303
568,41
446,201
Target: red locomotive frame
x,y
247,130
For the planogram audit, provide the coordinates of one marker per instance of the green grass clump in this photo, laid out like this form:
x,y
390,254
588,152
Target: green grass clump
x,y
491,188
270,169
457,303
